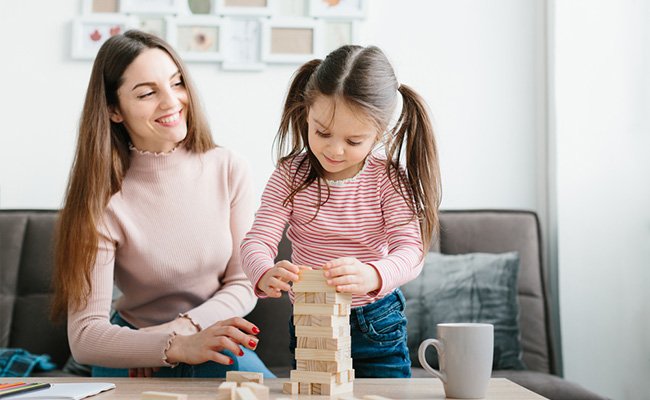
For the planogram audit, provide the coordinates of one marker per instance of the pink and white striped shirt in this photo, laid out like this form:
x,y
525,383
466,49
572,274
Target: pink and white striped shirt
x,y
364,217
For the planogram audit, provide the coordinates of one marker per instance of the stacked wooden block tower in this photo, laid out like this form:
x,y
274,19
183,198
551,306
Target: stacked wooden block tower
x,y
323,352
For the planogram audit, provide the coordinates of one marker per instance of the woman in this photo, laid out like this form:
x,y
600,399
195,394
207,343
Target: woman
x,y
156,208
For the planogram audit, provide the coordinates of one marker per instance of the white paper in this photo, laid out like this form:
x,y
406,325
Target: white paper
x,y
66,391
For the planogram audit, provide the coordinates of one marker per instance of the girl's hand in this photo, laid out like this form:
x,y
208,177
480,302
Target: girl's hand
x,y
275,280
207,344
350,275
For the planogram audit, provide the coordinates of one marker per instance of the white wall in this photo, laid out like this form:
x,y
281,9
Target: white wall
x,y
602,86
472,61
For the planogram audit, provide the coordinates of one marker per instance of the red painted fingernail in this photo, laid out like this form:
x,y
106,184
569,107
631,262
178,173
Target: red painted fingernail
x,y
232,361
256,330
241,353
252,343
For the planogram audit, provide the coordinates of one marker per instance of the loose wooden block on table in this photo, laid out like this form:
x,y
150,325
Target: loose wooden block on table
x,y
244,376
332,388
244,393
226,391
162,396
261,391
374,397
290,387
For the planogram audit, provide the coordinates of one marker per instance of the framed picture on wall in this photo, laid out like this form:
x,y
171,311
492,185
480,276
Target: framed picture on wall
x,y
340,32
153,24
160,7
245,7
338,8
196,38
243,44
100,6
291,40
89,32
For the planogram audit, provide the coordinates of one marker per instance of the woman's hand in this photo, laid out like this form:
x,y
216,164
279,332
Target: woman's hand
x,y
207,344
350,275
275,280
181,325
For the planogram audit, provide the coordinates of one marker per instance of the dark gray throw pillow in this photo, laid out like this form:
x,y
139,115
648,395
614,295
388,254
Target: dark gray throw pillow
x,y
474,287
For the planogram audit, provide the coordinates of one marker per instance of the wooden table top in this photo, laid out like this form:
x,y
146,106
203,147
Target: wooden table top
x,y
397,389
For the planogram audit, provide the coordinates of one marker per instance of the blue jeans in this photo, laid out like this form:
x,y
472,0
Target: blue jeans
x,y
378,333
248,362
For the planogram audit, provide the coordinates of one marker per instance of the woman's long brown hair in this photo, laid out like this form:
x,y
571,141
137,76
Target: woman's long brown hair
x,y
100,164
364,79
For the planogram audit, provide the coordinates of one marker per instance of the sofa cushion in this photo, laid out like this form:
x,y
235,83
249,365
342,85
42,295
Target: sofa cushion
x,y
475,287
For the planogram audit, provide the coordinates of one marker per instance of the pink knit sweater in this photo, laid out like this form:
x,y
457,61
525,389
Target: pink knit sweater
x,y
172,248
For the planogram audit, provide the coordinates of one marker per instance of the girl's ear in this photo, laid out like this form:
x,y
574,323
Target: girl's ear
x,y
116,115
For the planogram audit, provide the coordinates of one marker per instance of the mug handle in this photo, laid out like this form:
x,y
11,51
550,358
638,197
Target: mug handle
x,y
423,361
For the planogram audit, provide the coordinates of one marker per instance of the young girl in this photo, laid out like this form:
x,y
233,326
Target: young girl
x,y
352,211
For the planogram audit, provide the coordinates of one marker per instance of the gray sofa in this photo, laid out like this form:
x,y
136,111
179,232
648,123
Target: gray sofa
x,y
26,265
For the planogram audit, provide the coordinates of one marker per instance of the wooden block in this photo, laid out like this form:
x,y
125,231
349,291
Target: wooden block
x,y
311,275
345,376
336,388
338,298
244,393
316,309
312,377
323,355
227,391
163,396
312,287
324,366
374,397
261,391
328,332
244,376
345,397
324,343
321,320
305,388
290,388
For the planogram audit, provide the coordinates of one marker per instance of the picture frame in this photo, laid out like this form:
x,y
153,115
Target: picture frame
x,y
261,8
342,9
100,6
197,37
243,45
153,24
150,7
89,32
291,40
340,32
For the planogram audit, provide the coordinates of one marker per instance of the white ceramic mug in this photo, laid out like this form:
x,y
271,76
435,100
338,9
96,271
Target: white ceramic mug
x,y
465,358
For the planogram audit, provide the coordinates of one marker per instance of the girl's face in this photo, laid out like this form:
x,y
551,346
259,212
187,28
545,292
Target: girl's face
x,y
152,102
340,140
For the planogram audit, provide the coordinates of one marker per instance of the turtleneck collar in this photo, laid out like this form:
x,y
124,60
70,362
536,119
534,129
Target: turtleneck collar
x,y
142,160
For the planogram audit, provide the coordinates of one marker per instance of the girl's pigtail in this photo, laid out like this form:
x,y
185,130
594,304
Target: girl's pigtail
x,y
291,137
415,130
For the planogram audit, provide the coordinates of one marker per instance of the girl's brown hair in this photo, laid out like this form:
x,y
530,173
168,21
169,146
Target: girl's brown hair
x,y
364,79
101,161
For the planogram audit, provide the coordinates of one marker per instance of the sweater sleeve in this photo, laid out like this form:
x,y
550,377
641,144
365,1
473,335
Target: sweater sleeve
x,y
93,339
404,261
235,298
260,246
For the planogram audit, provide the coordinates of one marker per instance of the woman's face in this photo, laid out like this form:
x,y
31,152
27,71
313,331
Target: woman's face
x,y
152,102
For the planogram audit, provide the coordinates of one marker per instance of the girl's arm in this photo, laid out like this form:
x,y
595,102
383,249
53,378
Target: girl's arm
x,y
260,246
404,261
